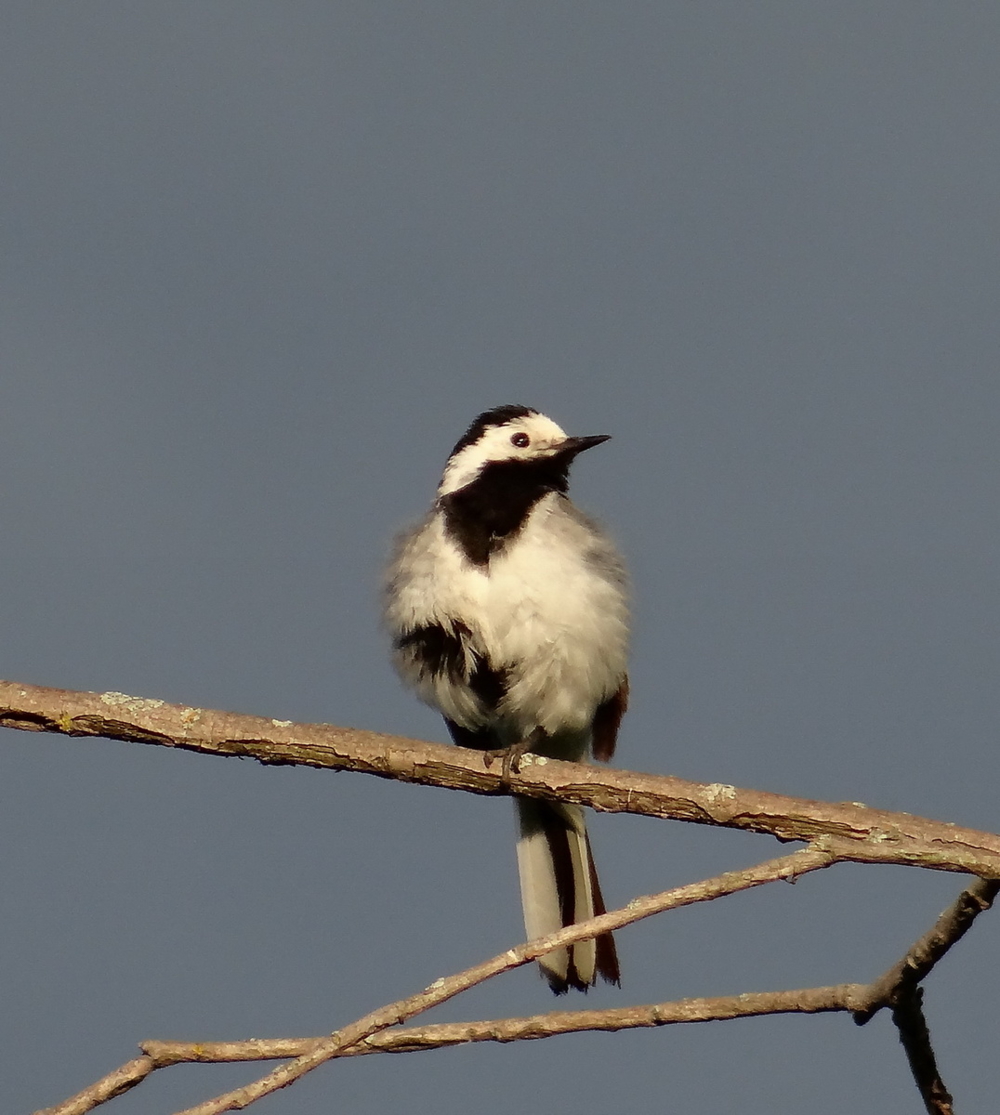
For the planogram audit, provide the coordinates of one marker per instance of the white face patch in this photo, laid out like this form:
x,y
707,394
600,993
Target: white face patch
x,y
527,438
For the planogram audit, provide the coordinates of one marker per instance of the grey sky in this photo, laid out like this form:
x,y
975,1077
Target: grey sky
x,y
260,265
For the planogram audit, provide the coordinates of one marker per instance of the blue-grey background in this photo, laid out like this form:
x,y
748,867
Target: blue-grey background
x,y
261,263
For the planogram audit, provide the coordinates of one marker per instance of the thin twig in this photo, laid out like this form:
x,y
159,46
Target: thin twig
x,y
898,988
870,835
923,954
908,1015
121,1080
785,867
319,1050
861,1000
411,1039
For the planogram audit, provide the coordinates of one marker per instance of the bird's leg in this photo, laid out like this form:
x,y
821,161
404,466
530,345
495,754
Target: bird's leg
x,y
513,754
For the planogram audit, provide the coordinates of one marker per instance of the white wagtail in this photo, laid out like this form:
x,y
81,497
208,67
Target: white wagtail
x,y
508,611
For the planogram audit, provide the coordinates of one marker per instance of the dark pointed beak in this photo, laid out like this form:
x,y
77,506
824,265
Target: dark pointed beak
x,y
573,445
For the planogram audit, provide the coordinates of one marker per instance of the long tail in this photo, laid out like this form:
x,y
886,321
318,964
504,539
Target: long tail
x,y
559,887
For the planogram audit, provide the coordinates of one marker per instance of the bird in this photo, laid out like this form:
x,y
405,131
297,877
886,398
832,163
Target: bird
x,y
508,612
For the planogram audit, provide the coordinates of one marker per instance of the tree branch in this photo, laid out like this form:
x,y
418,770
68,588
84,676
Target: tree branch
x,y
896,988
411,1039
785,867
835,832
908,1015
921,957
321,1050
116,1083
869,835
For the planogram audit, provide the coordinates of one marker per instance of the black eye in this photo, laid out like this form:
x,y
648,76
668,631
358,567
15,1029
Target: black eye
x,y
522,441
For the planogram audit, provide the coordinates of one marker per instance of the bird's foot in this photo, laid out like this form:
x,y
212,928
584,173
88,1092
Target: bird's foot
x,y
512,755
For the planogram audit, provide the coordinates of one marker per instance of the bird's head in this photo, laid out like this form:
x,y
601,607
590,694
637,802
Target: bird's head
x,y
512,434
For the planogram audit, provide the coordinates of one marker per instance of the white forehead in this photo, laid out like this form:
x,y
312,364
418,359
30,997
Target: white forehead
x,y
494,444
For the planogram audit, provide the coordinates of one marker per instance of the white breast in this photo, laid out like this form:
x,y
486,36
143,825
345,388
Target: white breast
x,y
550,609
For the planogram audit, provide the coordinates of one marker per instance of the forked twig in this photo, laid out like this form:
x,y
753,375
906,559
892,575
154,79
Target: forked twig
x,y
898,988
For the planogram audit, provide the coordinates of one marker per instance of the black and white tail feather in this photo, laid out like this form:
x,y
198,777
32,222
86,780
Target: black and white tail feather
x,y
508,612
